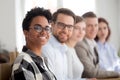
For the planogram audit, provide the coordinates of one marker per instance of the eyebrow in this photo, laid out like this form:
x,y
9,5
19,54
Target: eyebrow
x,y
37,25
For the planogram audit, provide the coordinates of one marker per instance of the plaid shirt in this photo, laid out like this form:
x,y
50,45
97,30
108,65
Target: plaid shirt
x,y
28,66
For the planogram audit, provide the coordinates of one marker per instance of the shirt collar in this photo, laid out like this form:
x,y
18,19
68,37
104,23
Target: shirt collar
x,y
56,43
31,53
103,45
91,42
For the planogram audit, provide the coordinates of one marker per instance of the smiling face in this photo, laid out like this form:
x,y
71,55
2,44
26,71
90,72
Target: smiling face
x,y
62,34
34,37
91,27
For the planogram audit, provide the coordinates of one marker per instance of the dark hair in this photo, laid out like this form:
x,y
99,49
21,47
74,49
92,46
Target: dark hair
x,y
63,11
37,11
89,14
79,19
109,31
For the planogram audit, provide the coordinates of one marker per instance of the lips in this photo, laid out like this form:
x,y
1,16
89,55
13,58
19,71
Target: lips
x,y
63,35
43,37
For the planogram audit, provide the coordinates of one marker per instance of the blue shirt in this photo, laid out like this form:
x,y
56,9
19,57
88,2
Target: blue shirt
x,y
108,57
55,52
58,60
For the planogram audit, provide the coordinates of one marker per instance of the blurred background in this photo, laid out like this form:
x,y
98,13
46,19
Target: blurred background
x,y
12,13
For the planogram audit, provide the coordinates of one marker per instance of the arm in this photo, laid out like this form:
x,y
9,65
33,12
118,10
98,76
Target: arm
x,y
22,74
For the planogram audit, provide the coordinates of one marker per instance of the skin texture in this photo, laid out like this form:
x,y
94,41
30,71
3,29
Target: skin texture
x,y
91,27
34,39
62,35
79,31
102,32
77,34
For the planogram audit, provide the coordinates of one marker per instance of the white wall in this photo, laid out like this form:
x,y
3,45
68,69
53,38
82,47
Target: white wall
x,y
119,23
109,9
7,24
11,13
19,14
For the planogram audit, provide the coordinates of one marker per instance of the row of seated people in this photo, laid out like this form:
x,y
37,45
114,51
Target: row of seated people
x,y
67,55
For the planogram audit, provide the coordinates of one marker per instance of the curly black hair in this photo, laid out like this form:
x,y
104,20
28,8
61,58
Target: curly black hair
x,y
37,11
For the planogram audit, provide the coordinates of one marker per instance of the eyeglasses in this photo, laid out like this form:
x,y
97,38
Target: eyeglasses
x,y
62,26
39,28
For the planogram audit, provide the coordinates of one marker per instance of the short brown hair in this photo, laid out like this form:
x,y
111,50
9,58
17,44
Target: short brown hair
x,y
79,19
89,14
63,11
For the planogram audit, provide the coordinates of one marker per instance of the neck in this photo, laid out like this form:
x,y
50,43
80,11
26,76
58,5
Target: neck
x,y
71,43
89,38
35,49
102,41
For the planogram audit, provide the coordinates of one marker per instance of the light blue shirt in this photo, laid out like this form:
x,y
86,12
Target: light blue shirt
x,y
55,52
108,57
57,56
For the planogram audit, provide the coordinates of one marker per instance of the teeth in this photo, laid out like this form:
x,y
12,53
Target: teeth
x,y
43,37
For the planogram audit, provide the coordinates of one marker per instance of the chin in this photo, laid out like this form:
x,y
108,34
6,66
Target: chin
x,y
80,39
62,41
43,43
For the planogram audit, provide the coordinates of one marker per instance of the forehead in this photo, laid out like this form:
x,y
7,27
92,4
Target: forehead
x,y
80,23
65,19
91,20
102,24
40,20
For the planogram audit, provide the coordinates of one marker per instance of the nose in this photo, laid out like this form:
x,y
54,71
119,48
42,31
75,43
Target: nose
x,y
66,29
63,27
94,28
43,32
80,30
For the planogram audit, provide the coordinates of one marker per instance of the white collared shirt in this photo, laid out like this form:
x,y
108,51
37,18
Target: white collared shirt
x,y
75,66
55,52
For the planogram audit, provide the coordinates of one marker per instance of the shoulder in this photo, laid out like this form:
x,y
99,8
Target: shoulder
x,y
82,44
47,49
23,60
110,46
82,49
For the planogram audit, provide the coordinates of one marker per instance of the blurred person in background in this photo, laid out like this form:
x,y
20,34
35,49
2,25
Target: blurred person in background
x,y
88,53
109,59
75,68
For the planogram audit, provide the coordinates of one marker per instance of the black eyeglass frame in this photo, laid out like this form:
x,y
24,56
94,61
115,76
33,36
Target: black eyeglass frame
x,y
63,25
38,28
